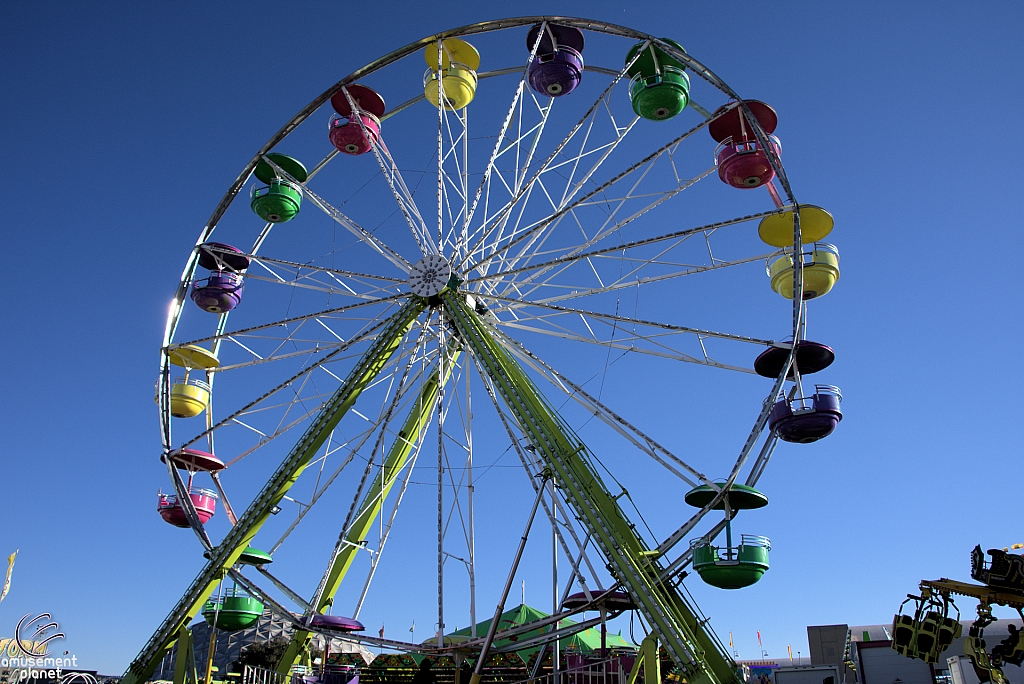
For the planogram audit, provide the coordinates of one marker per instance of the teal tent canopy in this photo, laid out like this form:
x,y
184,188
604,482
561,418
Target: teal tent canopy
x,y
585,641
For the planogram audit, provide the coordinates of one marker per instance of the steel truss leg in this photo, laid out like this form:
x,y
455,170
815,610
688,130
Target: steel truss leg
x,y
695,650
184,662
649,660
224,556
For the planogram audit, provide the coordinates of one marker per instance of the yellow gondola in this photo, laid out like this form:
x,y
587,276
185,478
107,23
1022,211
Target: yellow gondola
x,y
190,397
459,62
820,273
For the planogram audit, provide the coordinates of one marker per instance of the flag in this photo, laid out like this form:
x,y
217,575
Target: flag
x,y
7,582
759,642
381,630
413,628
789,648
730,640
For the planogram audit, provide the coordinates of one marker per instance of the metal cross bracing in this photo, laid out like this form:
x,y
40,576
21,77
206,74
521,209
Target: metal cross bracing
x,y
503,228
360,518
595,197
534,467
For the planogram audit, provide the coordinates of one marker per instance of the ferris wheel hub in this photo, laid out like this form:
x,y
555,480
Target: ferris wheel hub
x,y
430,276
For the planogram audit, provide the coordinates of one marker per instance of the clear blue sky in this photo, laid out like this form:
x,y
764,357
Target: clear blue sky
x,y
123,124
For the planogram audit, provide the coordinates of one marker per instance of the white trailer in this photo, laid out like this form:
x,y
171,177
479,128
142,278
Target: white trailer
x,y
807,674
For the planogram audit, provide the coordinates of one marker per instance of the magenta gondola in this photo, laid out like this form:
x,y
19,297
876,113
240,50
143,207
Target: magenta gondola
x,y
204,500
741,160
356,130
195,461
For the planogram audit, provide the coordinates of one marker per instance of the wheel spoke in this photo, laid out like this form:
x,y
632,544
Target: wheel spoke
x,y
618,318
368,334
561,211
622,248
399,189
577,291
633,434
524,164
347,223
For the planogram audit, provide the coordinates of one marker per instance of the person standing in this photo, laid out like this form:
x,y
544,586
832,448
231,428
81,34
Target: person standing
x,y
424,675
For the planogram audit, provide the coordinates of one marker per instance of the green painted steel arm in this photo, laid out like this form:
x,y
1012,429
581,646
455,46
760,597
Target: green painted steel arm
x,y
226,554
370,506
696,651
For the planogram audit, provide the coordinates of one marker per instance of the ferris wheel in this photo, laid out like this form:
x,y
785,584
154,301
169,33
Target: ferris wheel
x,y
550,282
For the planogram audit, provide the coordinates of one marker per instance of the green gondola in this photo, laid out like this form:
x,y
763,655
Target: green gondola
x,y
281,198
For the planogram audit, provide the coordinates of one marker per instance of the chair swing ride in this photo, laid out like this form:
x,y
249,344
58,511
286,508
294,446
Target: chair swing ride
x,y
355,323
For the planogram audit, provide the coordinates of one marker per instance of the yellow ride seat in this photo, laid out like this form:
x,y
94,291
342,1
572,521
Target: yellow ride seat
x,y
458,81
189,398
820,273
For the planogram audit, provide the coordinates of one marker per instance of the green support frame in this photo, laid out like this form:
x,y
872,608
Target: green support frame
x,y
696,651
224,556
398,455
648,661
185,663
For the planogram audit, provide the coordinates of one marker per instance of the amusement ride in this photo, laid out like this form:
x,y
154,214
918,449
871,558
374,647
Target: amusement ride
x,y
520,277
928,628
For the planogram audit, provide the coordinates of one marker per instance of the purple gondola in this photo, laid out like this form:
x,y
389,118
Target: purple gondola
x,y
217,256
558,66
336,622
221,291
613,601
807,419
811,357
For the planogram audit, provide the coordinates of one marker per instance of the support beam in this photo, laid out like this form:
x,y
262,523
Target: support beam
x,y
647,659
485,649
225,555
184,661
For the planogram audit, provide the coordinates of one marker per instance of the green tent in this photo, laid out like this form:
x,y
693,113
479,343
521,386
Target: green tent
x,y
585,641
